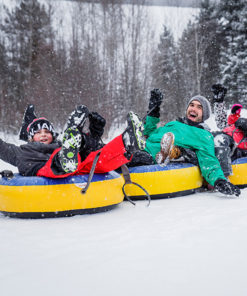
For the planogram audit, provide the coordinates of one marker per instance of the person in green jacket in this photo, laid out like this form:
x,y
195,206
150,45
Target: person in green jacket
x,y
189,132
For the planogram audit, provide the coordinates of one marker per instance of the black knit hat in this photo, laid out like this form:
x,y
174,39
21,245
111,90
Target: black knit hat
x,y
39,124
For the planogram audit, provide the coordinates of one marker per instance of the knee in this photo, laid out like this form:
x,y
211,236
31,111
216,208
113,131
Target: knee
x,y
222,140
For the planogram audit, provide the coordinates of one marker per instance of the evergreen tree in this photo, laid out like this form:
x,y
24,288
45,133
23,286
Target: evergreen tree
x,y
28,33
3,84
166,75
233,21
211,40
200,52
187,56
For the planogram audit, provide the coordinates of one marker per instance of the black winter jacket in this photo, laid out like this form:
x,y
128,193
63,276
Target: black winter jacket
x,y
28,158
31,157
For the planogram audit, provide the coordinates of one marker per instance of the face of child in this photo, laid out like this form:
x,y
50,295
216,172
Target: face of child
x,y
194,111
43,136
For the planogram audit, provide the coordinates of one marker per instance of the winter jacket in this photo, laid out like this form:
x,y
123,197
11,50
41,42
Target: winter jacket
x,y
227,125
28,158
31,157
38,159
237,135
186,136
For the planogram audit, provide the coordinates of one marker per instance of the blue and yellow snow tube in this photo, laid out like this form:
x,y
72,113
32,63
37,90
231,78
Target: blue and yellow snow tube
x,y
239,170
175,179
39,197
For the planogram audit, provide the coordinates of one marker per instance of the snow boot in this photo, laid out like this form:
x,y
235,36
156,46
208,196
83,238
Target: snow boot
x,y
77,118
133,137
68,154
168,151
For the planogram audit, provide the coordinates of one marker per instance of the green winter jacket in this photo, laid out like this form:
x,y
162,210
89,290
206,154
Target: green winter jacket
x,y
186,136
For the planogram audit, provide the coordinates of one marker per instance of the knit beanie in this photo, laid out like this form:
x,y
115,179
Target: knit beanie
x,y
206,108
39,124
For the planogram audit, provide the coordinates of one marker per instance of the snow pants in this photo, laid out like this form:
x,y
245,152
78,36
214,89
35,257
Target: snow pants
x,y
223,143
112,156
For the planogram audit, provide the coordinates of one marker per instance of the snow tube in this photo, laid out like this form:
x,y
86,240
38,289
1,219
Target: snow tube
x,y
175,179
239,170
39,197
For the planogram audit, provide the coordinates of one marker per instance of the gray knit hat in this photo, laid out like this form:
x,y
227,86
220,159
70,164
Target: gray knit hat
x,y
206,108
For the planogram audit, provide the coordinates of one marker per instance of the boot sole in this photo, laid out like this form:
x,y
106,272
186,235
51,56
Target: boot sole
x,y
136,125
70,149
78,117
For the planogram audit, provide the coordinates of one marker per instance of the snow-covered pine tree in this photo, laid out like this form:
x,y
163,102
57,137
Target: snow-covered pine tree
x,y
199,50
233,20
211,44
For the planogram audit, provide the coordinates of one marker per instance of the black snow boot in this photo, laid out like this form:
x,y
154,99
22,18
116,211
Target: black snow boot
x,y
77,118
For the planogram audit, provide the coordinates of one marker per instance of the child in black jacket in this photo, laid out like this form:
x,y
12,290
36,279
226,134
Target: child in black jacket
x,y
43,155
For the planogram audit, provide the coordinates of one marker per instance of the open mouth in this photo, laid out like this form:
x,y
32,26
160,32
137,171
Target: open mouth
x,y
193,115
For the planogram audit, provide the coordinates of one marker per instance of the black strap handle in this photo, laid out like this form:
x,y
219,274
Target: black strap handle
x,y
95,161
126,175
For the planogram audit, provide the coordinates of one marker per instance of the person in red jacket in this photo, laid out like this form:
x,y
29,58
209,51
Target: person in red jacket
x,y
234,127
44,156
235,114
237,129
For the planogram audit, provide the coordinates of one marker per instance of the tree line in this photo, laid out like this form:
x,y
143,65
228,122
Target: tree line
x,y
212,49
112,60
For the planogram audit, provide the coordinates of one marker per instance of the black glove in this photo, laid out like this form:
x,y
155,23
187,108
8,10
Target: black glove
x,y
29,116
226,187
219,92
7,174
96,124
155,101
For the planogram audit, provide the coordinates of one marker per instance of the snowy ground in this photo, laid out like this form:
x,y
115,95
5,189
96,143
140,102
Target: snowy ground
x,y
192,245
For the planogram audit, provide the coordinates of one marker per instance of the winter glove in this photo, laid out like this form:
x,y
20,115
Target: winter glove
x,y
29,116
226,187
7,174
219,92
155,101
236,109
96,124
